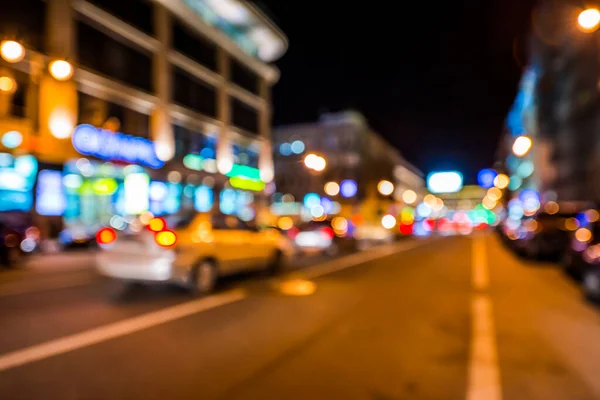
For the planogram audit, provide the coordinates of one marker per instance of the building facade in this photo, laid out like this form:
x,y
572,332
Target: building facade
x,y
357,160
118,108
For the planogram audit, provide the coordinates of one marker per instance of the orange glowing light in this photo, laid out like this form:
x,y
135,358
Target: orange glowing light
x,y
157,224
106,236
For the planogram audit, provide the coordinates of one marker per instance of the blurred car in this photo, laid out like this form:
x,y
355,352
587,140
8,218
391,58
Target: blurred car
x,y
368,235
320,237
544,235
581,258
18,237
191,250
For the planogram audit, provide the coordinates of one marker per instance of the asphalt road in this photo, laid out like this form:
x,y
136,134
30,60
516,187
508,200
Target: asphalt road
x,y
453,318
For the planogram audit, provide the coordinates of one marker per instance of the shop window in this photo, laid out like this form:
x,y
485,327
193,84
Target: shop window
x,y
243,77
191,44
137,13
246,155
244,116
17,178
25,22
193,93
112,116
124,62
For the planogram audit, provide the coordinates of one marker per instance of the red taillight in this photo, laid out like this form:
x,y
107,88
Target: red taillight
x,y
106,236
165,238
157,224
328,232
293,232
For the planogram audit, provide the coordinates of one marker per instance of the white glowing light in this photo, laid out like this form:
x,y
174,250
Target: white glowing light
x,y
12,51
521,146
445,182
589,19
60,70
388,221
332,188
409,196
385,188
61,123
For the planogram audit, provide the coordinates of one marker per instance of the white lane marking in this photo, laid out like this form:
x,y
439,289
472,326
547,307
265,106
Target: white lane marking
x,y
484,373
115,330
358,258
480,274
11,289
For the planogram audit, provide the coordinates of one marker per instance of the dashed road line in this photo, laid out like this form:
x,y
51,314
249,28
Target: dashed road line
x,y
484,372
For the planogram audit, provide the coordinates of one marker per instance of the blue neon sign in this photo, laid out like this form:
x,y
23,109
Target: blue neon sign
x,y
106,145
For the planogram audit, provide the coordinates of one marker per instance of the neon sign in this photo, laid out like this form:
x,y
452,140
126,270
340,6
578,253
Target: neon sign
x,y
91,141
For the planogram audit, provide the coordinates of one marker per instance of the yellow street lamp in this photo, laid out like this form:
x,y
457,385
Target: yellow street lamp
x,y
7,85
589,20
60,70
12,51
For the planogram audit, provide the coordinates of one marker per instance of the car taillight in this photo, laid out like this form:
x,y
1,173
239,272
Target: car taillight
x,y
328,232
157,224
165,238
106,236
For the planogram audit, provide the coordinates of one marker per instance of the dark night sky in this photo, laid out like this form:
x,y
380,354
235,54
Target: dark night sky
x,y
435,78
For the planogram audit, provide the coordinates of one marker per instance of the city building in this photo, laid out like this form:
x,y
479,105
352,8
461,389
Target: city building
x,y
111,109
362,174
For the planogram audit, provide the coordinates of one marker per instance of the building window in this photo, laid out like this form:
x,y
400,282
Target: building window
x,y
100,52
191,44
135,12
243,77
112,116
19,85
25,22
244,116
246,155
191,92
188,141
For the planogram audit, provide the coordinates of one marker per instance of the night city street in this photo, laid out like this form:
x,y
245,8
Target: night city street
x,y
391,323
266,199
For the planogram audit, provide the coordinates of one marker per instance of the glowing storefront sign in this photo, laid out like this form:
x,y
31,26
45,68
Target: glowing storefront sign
x,y
100,143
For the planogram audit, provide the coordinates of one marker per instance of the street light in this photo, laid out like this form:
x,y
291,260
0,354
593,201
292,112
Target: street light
x,y
385,187
521,146
12,51
314,162
589,20
7,85
60,70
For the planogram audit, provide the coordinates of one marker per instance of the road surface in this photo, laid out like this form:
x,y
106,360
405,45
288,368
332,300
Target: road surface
x,y
451,318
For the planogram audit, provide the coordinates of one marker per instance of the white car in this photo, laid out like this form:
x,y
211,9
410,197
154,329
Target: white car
x,y
192,251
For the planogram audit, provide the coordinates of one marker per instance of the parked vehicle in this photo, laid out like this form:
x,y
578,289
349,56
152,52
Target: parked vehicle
x,y
544,235
581,258
321,237
191,250
18,237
